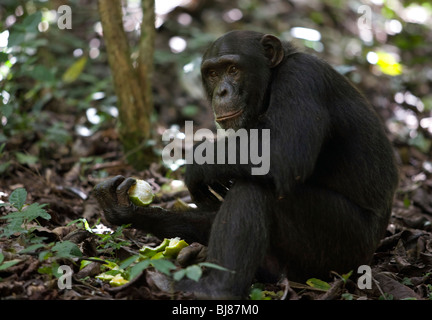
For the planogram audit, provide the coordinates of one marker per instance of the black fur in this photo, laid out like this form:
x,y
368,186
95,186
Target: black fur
x,y
327,199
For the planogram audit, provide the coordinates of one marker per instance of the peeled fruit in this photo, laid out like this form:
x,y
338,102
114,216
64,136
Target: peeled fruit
x,y
118,281
150,252
169,248
105,277
174,247
141,193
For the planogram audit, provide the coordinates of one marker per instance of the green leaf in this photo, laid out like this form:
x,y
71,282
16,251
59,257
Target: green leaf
x,y
4,166
32,248
7,110
73,72
110,265
256,294
138,268
178,275
16,37
31,212
31,22
51,269
18,198
84,263
162,265
35,210
346,276
127,262
45,270
13,227
194,272
27,159
66,249
214,266
318,284
8,264
43,74
44,255
3,57
347,296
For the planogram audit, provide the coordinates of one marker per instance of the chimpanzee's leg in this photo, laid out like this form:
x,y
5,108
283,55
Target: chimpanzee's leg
x,y
316,231
238,241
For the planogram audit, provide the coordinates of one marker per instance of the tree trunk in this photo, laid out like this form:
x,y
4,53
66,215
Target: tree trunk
x,y
132,87
146,50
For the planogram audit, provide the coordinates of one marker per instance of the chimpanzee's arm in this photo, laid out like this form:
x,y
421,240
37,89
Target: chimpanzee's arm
x,y
193,225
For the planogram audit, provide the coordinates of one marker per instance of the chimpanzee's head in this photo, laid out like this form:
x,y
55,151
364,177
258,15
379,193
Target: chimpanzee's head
x,y
236,71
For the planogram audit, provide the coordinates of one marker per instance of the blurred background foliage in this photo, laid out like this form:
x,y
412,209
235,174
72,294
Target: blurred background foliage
x,y
58,109
56,91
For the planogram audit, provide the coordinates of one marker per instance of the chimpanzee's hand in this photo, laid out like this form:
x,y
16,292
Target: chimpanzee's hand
x,y
113,198
198,184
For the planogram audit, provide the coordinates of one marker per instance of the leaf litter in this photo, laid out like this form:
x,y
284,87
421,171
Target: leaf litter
x,y
60,192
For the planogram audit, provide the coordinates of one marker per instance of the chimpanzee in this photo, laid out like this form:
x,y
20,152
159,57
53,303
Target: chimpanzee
x,y
324,204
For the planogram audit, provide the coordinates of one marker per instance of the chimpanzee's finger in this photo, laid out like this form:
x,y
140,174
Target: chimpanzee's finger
x,y
122,191
116,181
105,192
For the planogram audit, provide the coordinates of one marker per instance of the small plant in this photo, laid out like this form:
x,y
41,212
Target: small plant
x,y
18,223
108,241
6,264
119,273
194,271
113,240
21,214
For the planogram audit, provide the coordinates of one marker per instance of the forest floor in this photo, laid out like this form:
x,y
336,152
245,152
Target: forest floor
x,y
58,168
401,268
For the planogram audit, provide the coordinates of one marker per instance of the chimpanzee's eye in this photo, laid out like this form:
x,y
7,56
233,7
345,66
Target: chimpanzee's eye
x,y
212,73
233,70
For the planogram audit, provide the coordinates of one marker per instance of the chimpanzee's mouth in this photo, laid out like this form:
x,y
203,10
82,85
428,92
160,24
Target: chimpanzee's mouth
x,y
228,116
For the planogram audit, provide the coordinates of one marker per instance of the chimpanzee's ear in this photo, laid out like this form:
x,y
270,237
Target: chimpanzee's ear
x,y
273,49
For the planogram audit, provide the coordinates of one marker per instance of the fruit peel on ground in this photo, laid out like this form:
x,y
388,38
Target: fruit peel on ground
x,y
169,248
